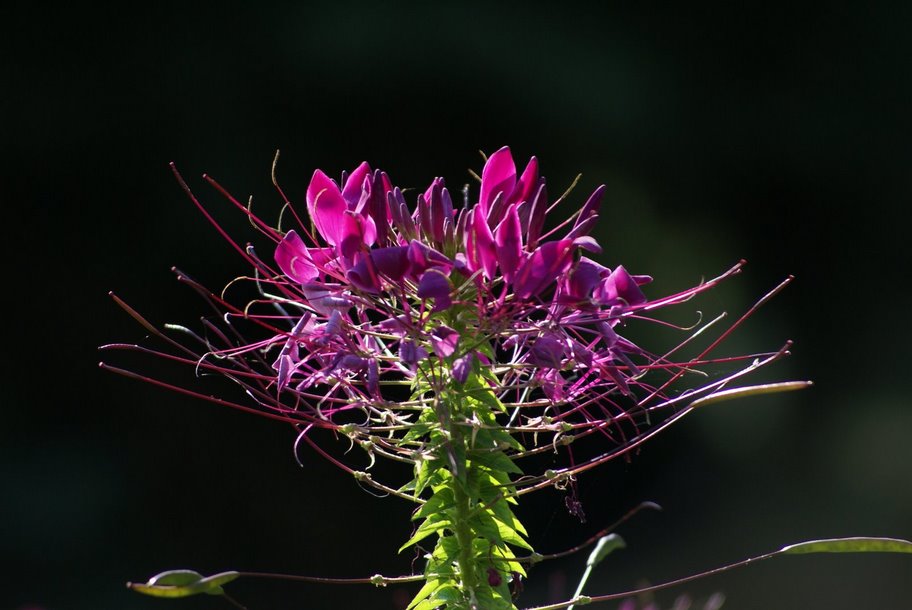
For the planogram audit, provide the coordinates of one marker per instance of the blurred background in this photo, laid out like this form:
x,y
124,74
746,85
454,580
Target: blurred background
x,y
778,135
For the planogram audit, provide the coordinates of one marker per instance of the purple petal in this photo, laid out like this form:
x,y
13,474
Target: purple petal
x,y
508,237
496,212
444,340
582,354
587,243
480,250
434,284
349,362
592,205
398,325
463,366
402,220
498,176
549,261
297,261
527,184
329,330
552,383
364,276
411,353
326,207
584,279
373,378
393,262
537,216
378,206
440,209
357,231
422,257
608,335
547,351
582,228
621,286
325,298
354,185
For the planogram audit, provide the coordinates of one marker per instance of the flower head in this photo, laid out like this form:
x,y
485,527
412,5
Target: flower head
x,y
376,306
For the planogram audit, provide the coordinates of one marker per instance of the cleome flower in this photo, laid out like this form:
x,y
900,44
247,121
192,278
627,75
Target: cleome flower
x,y
369,293
459,339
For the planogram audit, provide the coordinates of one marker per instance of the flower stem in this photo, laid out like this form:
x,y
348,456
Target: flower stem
x,y
461,527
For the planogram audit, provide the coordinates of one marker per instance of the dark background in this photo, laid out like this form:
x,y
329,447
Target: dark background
x,y
780,135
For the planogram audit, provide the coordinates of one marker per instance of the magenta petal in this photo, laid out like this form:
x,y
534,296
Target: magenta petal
x,y
497,210
498,176
401,218
547,263
354,185
620,285
440,209
325,298
588,243
582,354
349,362
582,229
410,353
422,258
392,262
363,275
434,284
536,216
547,352
592,205
326,207
378,206
444,340
480,249
292,258
528,183
356,233
463,366
508,238
584,279
373,378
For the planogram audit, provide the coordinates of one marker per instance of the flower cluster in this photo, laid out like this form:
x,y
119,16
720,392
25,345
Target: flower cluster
x,y
457,339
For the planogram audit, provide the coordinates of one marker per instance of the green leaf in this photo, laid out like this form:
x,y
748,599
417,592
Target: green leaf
x,y
183,583
505,560
429,587
432,525
754,390
428,472
850,545
495,460
492,599
441,500
510,536
502,513
605,546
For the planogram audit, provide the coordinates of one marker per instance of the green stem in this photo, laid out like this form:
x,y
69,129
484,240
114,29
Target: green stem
x,y
461,528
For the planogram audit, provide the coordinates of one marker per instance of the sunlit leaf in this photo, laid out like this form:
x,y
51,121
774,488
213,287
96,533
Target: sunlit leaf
x,y
850,545
183,583
605,546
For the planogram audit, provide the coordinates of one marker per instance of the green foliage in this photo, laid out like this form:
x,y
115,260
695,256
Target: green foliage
x,y
183,583
465,473
850,545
